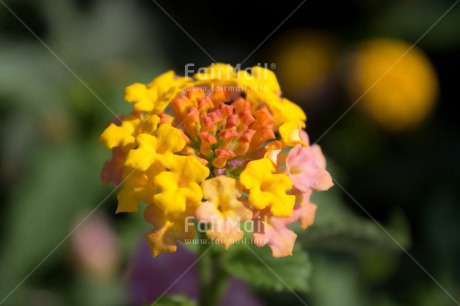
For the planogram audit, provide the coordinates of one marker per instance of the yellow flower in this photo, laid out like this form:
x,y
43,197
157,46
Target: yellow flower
x,y
290,134
167,230
217,71
179,188
138,186
190,147
287,111
223,210
262,89
155,96
282,109
273,150
132,192
267,78
267,189
124,135
398,89
120,136
305,62
166,140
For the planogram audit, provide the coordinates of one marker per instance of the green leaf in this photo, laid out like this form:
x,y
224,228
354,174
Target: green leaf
x,y
174,300
350,235
258,267
355,234
337,228
336,282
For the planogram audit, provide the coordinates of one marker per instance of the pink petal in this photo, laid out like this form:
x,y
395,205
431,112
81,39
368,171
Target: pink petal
x,y
304,137
304,210
307,168
273,231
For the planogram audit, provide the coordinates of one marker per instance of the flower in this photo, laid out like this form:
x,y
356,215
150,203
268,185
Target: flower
x,y
166,230
306,166
95,249
267,189
224,147
291,134
272,230
151,148
179,188
122,135
395,80
223,210
155,96
305,59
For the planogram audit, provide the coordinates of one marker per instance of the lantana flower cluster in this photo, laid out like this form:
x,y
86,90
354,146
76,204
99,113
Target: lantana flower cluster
x,y
223,147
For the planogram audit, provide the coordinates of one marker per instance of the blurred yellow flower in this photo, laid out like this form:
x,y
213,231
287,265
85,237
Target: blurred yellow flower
x,y
304,60
399,86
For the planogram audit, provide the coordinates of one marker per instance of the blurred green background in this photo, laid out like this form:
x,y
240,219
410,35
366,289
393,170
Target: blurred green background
x,y
396,152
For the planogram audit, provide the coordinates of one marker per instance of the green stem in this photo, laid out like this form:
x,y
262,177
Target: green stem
x,y
213,278
218,287
205,266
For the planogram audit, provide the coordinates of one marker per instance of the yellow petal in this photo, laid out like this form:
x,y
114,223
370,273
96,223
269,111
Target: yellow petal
x,y
167,230
127,201
285,111
164,89
272,151
114,136
169,139
171,198
255,171
267,78
223,229
189,169
216,71
179,189
120,136
145,155
267,189
290,134
223,212
136,92
223,191
155,96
